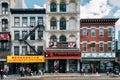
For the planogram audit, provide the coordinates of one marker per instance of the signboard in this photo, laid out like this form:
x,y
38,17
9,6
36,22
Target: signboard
x,y
98,55
62,45
25,59
63,55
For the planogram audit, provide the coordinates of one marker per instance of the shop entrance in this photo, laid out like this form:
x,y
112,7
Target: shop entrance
x,y
91,67
57,66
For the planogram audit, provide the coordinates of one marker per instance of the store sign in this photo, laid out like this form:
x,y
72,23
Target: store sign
x,y
63,55
98,55
25,59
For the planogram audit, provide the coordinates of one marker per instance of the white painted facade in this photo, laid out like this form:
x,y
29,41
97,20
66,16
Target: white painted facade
x,y
27,28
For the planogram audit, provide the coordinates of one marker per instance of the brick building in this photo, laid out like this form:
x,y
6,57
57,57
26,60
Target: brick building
x,y
97,41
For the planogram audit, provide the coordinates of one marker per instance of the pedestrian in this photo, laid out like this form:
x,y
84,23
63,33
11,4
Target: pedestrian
x,y
1,73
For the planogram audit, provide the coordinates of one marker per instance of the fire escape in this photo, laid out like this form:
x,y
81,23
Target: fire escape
x,y
40,27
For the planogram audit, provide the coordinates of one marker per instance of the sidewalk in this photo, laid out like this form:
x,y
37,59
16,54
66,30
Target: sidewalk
x,y
15,77
70,74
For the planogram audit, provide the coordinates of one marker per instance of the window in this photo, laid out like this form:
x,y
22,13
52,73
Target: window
x,y
62,39
24,50
4,8
16,35
110,32
40,49
53,7
53,24
16,50
101,47
4,25
93,32
93,49
24,33
84,32
24,21
31,50
101,32
84,47
62,7
32,36
62,24
109,47
32,21
40,20
40,35
4,46
53,39
16,21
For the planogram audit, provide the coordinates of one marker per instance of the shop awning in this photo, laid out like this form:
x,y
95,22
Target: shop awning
x,y
4,36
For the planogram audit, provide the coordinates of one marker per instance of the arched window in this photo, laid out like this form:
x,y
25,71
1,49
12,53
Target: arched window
x,y
53,39
53,24
4,25
62,7
53,7
62,24
62,39
4,8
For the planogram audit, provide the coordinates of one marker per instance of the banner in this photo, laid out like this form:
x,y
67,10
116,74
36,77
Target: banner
x,y
25,59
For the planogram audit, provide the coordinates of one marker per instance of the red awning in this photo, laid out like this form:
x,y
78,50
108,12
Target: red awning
x,y
4,36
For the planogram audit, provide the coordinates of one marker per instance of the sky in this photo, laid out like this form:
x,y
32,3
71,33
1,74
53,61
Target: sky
x,y
90,9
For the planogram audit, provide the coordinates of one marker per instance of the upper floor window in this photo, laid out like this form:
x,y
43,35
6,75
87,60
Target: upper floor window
x,y
4,8
109,47
101,32
24,21
62,39
4,25
53,39
93,49
32,36
62,7
110,32
32,50
24,33
53,24
24,50
16,35
53,7
93,32
62,24
16,21
84,32
16,50
40,20
32,21
101,48
40,34
40,49
84,46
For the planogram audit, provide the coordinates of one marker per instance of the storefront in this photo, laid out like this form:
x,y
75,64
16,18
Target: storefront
x,y
101,61
33,62
62,62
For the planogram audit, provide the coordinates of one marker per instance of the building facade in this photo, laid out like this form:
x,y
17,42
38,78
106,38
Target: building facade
x,y
97,44
27,30
62,36
5,37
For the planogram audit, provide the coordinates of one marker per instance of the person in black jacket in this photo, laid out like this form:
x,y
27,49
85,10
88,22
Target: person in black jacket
x,y
1,73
